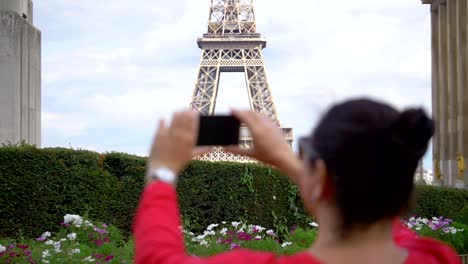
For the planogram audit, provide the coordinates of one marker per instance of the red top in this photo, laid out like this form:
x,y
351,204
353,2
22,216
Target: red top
x,y
158,238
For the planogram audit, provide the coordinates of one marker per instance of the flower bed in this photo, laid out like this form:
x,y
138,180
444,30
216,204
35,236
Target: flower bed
x,y
80,240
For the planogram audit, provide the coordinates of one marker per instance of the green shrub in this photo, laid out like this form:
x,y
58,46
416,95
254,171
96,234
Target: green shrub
x,y
39,186
463,215
440,201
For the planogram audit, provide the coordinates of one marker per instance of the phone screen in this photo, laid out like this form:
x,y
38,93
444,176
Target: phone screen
x,y
218,131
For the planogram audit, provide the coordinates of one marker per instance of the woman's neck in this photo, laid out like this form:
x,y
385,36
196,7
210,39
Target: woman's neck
x,y
374,242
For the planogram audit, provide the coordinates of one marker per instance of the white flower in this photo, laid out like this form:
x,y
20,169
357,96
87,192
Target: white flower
x,y
88,223
224,222
223,231
285,244
89,259
204,243
49,242
2,249
236,224
274,197
409,225
425,221
270,232
200,237
45,261
45,254
258,237
72,236
314,224
211,226
46,234
454,231
74,251
209,233
63,239
57,246
75,220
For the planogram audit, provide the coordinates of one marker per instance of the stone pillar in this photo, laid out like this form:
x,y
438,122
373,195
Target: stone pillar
x,y
462,81
436,148
20,75
443,95
452,81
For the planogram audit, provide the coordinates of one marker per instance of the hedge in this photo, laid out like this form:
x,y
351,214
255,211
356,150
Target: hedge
x,y
39,186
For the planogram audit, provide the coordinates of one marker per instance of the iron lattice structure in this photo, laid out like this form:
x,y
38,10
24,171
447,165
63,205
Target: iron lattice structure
x,y
232,44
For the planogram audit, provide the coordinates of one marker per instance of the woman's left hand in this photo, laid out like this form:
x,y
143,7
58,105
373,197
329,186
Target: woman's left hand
x,y
173,146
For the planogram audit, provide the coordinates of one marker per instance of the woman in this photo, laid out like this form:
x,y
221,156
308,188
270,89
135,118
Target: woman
x,y
355,177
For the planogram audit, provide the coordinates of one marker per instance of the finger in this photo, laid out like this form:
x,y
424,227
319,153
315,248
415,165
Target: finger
x,y
239,151
161,132
250,118
184,127
200,151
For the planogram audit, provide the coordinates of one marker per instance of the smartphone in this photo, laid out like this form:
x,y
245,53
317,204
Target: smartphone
x,y
218,131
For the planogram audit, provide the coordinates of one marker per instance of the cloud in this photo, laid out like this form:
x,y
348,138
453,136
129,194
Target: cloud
x,y
112,68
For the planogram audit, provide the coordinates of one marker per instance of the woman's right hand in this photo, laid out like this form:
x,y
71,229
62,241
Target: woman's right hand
x,y
269,145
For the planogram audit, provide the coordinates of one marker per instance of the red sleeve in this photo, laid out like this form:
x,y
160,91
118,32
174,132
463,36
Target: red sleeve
x,y
158,238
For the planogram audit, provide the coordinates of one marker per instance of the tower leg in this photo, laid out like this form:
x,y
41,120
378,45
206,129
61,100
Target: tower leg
x,y
206,90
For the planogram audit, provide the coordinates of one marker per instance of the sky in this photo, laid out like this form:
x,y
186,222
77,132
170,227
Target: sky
x,y
111,69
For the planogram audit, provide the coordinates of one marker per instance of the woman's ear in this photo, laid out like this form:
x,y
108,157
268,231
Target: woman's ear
x,y
314,186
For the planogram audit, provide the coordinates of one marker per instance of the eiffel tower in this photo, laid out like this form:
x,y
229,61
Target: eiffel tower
x,y
232,44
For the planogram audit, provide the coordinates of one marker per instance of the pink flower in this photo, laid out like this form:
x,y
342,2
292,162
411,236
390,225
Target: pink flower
x,y
108,258
98,242
41,239
22,246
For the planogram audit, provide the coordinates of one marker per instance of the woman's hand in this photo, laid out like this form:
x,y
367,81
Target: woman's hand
x,y
269,145
173,146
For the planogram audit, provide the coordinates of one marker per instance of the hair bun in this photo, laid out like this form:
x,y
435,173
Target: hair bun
x,y
412,130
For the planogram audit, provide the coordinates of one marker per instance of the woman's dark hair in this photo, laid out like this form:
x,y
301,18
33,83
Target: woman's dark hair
x,y
371,152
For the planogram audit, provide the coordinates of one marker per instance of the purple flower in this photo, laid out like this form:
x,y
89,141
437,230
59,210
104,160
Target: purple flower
x,y
41,239
234,246
27,252
98,256
64,224
105,226
100,231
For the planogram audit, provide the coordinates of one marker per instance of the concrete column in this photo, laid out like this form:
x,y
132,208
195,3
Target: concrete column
x,y
452,82
443,95
20,77
462,80
436,149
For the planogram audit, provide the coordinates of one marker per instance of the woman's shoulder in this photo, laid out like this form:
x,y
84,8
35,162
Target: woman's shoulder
x,y
423,249
428,250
